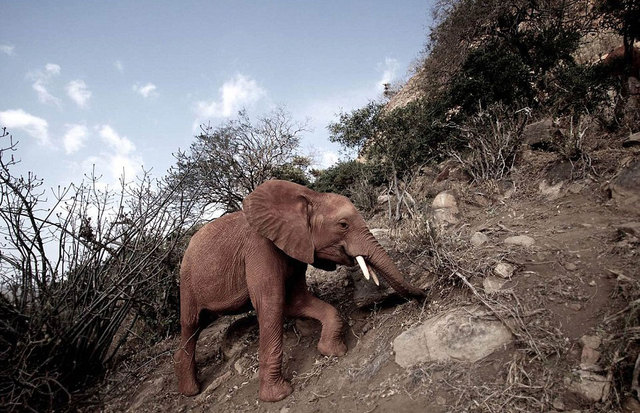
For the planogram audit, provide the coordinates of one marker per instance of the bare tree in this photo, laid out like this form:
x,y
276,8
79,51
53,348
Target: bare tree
x,y
73,270
227,162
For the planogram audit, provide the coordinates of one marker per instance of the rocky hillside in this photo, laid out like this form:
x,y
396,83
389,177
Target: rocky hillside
x,y
533,306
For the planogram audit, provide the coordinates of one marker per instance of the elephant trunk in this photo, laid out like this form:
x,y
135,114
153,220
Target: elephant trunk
x,y
382,264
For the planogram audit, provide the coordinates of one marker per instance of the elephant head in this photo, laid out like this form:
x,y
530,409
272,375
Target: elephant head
x,y
321,229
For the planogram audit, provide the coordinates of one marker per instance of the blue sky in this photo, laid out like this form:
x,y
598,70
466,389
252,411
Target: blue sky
x,y
120,84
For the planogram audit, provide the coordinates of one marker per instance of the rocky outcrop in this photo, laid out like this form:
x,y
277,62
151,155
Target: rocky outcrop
x,y
463,334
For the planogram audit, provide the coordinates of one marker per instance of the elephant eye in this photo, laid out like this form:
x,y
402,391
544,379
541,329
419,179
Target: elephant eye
x,y
343,225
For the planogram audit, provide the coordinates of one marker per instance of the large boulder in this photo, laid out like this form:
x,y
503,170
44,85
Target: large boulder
x,y
462,334
539,135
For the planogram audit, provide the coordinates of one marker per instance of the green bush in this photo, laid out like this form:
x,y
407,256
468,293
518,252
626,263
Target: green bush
x,y
578,88
489,75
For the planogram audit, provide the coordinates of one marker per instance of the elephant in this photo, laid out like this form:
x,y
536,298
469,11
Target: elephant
x,y
259,256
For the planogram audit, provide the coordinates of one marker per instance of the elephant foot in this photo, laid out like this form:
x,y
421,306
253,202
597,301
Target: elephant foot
x,y
189,388
185,372
332,347
274,392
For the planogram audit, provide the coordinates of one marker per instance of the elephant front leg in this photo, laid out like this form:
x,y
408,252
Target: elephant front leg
x,y
273,386
302,303
268,300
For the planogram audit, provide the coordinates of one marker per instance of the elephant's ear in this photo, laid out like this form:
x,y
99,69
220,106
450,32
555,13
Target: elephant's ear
x,y
279,211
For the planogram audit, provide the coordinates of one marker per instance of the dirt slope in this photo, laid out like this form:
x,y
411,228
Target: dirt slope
x,y
572,282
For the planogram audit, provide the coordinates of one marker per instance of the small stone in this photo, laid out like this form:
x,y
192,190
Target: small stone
x,y
504,270
492,285
478,238
590,385
441,401
285,410
238,367
574,306
576,187
558,404
444,200
632,140
570,266
592,283
590,341
589,358
445,208
522,240
551,192
629,228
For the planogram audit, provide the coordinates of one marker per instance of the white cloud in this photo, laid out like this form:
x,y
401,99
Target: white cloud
x,y
389,72
74,138
52,69
235,93
33,125
116,158
146,91
329,158
7,49
119,66
128,166
41,80
121,144
78,91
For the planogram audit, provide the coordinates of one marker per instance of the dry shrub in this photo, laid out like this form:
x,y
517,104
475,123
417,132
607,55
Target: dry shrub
x,y
72,271
458,270
492,138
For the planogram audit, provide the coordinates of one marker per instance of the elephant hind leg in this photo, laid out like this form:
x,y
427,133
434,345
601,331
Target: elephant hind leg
x,y
185,356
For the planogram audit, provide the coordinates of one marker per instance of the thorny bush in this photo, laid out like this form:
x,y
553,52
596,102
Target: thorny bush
x,y
72,270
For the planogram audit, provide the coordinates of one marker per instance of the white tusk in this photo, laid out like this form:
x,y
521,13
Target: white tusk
x,y
363,266
374,276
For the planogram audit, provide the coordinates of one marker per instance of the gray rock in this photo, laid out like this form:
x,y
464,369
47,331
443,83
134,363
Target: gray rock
x,y
591,341
492,285
630,228
589,358
539,134
551,192
576,187
569,266
444,200
478,238
445,209
522,240
462,334
590,385
504,270
632,140
625,188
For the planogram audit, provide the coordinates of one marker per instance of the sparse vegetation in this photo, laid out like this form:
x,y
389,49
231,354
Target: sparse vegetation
x,y
89,272
78,275
228,161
